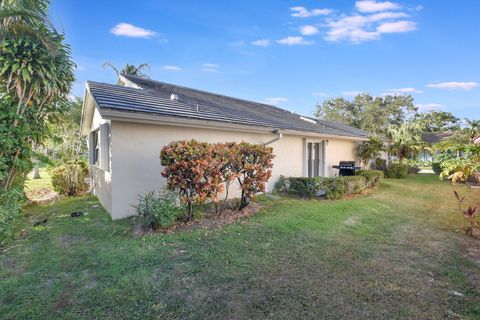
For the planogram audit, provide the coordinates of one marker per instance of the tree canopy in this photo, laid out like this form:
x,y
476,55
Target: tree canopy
x,y
438,121
130,69
372,114
34,85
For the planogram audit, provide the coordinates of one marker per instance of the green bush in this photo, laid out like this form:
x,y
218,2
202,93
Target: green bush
x,y
303,187
281,185
437,168
353,184
379,164
158,211
333,188
69,178
10,211
396,171
373,177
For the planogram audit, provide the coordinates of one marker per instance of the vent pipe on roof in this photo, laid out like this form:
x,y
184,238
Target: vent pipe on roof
x,y
174,97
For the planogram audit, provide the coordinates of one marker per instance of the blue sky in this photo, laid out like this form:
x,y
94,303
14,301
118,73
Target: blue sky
x,y
290,53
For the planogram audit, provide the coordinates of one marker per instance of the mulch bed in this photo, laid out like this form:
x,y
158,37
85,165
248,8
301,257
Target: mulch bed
x,y
210,220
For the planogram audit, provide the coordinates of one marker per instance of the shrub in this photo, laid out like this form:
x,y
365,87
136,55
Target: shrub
x,y
396,171
334,188
157,210
69,178
192,170
373,177
10,211
199,171
437,168
353,184
303,187
254,163
379,164
281,185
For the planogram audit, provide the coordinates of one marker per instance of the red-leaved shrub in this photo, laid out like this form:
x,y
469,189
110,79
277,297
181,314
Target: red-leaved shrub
x,y
199,171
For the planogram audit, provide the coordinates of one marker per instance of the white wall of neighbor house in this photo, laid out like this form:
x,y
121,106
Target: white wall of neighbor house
x,y
135,150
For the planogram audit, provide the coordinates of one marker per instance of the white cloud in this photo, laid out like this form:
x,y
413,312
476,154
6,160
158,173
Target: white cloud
x,y
374,6
210,67
320,94
386,15
351,93
403,91
308,30
429,107
397,26
302,12
129,30
293,41
262,42
171,68
454,85
360,28
350,28
275,101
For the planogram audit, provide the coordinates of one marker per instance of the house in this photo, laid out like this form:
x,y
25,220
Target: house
x,y
128,124
433,138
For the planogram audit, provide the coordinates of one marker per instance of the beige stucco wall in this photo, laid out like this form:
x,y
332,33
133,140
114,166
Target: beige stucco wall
x,y
136,169
101,179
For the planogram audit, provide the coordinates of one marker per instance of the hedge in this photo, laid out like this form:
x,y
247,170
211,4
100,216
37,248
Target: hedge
x,y
374,177
10,211
332,188
396,171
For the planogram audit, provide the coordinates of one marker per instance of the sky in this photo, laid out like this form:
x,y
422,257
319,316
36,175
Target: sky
x,y
290,53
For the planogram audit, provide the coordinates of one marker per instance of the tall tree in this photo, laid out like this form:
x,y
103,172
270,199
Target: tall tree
x,y
34,84
472,128
405,139
372,114
20,18
130,69
438,121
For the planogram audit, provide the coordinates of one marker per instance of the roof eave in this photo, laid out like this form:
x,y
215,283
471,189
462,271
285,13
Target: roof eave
x,y
137,117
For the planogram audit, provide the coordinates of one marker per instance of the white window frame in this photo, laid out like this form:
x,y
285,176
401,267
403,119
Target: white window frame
x,y
322,170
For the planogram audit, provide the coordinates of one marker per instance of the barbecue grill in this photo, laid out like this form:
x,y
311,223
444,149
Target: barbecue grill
x,y
346,168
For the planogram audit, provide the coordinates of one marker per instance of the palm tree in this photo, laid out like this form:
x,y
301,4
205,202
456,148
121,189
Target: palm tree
x,y
370,150
472,129
129,69
406,139
19,18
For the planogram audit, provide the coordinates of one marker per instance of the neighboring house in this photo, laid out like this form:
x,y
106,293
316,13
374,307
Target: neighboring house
x,y
432,138
128,124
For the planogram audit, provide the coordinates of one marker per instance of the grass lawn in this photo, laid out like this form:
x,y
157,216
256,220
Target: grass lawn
x,y
34,187
396,253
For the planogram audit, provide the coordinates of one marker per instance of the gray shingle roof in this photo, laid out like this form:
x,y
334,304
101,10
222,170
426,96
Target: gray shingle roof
x,y
154,98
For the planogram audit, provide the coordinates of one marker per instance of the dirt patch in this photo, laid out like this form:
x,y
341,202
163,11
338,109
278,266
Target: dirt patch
x,y
352,221
210,220
42,196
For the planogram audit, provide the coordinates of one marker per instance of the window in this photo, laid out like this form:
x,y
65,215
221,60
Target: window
x,y
95,147
315,154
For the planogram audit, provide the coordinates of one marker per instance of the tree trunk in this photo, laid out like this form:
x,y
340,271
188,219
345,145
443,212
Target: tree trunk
x,y
36,173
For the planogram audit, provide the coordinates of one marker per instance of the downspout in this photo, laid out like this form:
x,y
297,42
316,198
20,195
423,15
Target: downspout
x,y
279,136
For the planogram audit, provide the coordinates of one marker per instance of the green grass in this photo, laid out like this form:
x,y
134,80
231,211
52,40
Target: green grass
x,y
33,186
392,254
